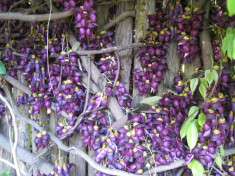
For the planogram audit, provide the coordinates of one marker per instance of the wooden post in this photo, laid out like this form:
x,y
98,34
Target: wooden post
x,y
3,153
190,68
23,128
173,62
143,9
80,163
102,19
91,171
54,120
102,16
44,118
124,36
6,131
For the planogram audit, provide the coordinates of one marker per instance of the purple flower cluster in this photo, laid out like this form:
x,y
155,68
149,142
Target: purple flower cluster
x,y
59,169
85,19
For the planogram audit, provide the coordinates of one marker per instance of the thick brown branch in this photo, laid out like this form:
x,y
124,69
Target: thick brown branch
x,y
180,163
73,150
205,43
40,17
17,84
27,90
110,49
119,19
96,76
77,151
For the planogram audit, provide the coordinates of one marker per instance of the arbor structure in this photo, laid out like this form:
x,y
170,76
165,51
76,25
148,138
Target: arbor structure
x,y
121,87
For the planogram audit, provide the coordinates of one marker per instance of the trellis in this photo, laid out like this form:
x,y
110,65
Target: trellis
x,y
126,49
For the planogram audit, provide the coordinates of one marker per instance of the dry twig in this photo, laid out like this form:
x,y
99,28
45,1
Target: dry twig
x,y
40,17
119,19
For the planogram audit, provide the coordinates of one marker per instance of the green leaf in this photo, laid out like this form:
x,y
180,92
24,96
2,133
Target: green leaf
x,y
2,69
209,76
196,168
193,84
193,112
230,7
5,171
222,150
184,128
76,46
215,76
202,90
190,165
192,135
201,119
151,100
218,160
204,82
228,43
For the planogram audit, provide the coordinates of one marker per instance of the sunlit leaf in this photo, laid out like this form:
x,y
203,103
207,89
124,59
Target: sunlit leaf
x,y
201,119
222,150
192,135
204,82
196,168
228,43
202,90
184,128
215,76
209,76
151,100
193,84
193,111
218,160
230,7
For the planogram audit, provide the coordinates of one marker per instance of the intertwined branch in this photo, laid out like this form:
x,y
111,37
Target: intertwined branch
x,y
39,17
77,151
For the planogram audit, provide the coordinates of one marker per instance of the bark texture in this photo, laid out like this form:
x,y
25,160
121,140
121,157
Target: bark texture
x,y
143,9
124,36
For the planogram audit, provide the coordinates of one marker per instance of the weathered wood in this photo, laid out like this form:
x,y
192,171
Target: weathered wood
x,y
173,62
190,68
123,36
80,163
143,9
26,156
44,119
5,127
205,43
91,171
6,130
23,128
102,19
54,120
102,16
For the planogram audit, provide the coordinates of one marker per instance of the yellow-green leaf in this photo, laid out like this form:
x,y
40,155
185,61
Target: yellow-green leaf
x,y
202,90
184,128
193,111
193,84
201,119
196,168
192,135
230,7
